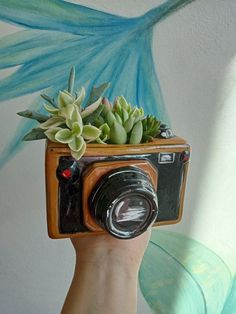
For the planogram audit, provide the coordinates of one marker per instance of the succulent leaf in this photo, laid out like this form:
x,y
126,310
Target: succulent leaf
x,y
90,132
64,99
147,138
107,106
76,143
49,100
33,115
118,118
144,121
71,80
129,123
99,121
78,154
80,98
137,113
51,109
90,109
110,118
97,93
124,104
50,133
136,133
90,119
76,128
134,112
117,106
66,92
66,111
104,138
141,112
101,141
105,132
118,134
125,115
64,136
129,108
75,117
34,134
105,129
52,122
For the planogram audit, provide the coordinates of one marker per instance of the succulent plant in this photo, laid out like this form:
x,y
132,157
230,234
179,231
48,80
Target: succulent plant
x,y
151,128
70,122
125,122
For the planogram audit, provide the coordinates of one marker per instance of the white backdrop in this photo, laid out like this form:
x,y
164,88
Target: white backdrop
x,y
195,54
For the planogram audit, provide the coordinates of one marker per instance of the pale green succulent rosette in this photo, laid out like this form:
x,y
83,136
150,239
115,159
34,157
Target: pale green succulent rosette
x,y
75,134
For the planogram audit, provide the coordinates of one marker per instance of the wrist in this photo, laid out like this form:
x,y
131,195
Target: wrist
x,y
108,259
107,250
102,286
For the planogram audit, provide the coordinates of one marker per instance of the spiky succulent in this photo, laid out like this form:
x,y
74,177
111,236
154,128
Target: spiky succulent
x,y
151,128
69,122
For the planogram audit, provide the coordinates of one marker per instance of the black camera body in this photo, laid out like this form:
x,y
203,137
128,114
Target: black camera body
x,y
119,189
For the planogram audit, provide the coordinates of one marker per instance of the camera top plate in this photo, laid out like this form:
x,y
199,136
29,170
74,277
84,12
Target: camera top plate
x,y
157,145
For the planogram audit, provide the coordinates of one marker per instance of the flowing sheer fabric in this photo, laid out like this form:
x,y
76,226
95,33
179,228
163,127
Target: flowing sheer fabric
x,y
182,276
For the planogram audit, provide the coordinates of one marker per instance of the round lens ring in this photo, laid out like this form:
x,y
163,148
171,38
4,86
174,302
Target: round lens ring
x,y
124,202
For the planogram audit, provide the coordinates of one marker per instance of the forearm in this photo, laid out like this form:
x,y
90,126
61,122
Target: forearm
x,y
103,287
106,275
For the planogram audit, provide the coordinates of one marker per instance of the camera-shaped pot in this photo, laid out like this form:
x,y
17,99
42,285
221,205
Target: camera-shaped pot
x,y
119,189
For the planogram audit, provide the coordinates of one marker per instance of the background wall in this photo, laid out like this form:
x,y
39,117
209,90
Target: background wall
x,y
195,53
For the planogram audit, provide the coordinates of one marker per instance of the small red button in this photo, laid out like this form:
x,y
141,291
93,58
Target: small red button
x,y
66,173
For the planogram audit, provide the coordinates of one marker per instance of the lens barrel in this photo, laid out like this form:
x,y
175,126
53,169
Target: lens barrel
x,y
124,202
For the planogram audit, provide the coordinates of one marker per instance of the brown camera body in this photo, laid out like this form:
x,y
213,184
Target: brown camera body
x,y
70,184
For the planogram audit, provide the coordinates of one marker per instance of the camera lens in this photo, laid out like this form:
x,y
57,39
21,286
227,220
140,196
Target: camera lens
x,y
124,202
130,212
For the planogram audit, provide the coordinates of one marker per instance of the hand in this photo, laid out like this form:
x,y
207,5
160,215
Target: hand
x,y
95,249
106,275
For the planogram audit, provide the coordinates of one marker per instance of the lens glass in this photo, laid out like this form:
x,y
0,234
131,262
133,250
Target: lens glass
x,y
130,213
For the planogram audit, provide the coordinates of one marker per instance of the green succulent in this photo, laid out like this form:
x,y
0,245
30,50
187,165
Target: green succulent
x,y
70,121
151,128
125,122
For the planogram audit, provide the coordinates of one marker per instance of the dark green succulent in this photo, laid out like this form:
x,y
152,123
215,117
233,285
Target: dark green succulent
x,y
151,128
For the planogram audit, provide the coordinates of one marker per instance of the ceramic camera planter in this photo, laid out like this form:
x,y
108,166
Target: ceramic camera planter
x,y
119,189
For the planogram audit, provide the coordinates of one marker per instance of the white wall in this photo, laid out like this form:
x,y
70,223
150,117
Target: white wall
x,y
194,52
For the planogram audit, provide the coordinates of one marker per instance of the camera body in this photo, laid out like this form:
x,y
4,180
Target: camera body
x,y
119,189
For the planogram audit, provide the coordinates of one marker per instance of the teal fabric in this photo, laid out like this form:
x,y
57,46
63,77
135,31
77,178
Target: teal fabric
x,y
181,276
230,304
103,47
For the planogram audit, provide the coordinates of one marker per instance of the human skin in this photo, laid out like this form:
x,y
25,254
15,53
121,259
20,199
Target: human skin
x,y
106,275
